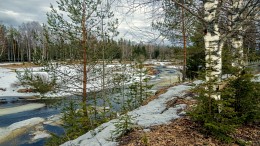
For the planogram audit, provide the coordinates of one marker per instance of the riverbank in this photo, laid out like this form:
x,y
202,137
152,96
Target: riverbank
x,y
18,128
156,112
164,77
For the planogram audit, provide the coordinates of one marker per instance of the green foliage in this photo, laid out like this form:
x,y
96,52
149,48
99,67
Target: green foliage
x,y
139,51
138,90
145,140
195,65
227,60
75,122
138,93
124,125
239,104
38,57
156,53
55,140
196,54
245,95
132,96
219,124
38,82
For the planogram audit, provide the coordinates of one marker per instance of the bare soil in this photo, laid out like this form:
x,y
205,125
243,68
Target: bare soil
x,y
19,65
185,132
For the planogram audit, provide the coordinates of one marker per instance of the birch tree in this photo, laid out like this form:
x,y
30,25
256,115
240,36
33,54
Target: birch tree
x,y
241,11
2,40
237,39
213,46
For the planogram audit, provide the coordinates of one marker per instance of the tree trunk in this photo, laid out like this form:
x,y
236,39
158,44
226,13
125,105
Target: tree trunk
x,y
14,50
84,41
237,39
213,48
29,51
184,45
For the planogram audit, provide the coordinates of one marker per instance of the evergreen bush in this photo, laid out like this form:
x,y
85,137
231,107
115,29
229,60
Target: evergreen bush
x,y
39,82
123,125
239,104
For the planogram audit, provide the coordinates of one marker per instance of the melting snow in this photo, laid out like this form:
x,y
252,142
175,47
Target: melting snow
x,y
5,132
154,113
22,108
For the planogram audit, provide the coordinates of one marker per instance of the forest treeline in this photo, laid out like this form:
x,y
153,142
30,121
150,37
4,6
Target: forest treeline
x,y
33,42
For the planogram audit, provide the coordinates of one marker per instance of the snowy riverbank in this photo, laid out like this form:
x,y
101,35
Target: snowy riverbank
x,y
154,113
67,77
9,86
18,128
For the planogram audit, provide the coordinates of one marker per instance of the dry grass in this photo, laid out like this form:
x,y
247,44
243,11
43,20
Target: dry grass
x,y
185,132
19,65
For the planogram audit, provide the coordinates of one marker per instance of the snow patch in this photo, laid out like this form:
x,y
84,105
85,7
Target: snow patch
x,y
22,108
5,132
154,113
40,135
8,81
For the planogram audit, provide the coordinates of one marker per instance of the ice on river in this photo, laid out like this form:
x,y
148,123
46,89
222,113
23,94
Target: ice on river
x,y
22,108
7,131
40,135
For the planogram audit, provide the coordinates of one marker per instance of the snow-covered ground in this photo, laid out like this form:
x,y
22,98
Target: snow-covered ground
x,y
69,78
154,113
9,86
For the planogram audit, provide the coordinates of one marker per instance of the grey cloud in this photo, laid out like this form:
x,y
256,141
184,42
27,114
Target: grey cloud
x,y
26,10
6,20
134,26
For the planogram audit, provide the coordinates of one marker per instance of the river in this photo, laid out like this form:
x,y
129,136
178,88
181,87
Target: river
x,y
165,77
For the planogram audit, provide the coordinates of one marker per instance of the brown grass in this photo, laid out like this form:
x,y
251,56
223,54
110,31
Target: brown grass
x,y
185,132
19,65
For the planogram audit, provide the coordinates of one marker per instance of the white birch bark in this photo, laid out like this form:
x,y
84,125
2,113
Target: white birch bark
x,y
2,41
213,47
237,39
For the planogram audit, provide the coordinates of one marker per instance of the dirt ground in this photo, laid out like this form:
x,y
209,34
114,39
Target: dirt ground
x,y
18,65
185,132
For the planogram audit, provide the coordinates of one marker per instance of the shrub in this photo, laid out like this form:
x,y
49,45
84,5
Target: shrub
x,y
239,104
74,122
245,95
124,125
41,83
218,124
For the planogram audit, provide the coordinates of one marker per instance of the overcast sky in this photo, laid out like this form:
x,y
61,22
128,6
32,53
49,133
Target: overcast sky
x,y
135,26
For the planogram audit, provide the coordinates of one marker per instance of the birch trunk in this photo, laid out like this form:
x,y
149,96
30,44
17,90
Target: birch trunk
x,y
213,47
237,39
2,41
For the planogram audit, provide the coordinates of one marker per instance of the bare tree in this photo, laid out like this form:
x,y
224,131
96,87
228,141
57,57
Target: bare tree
x,y
2,40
